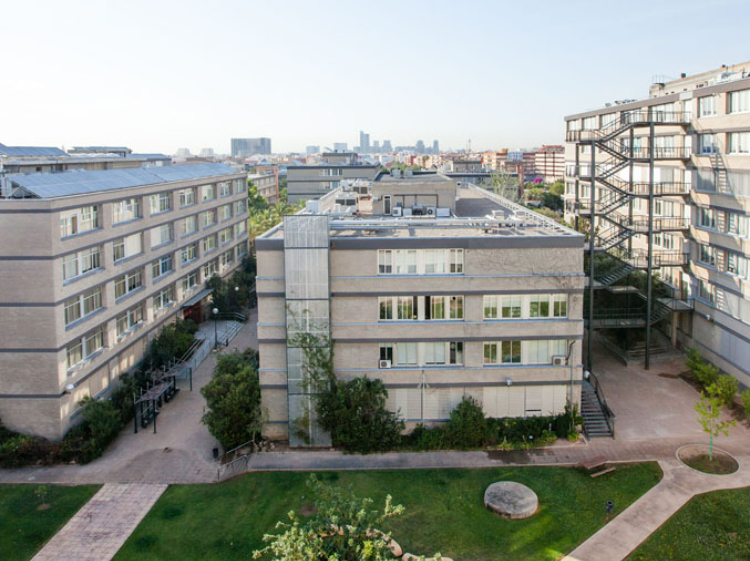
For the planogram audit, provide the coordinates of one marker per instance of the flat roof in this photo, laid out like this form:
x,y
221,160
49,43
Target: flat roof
x,y
50,185
21,151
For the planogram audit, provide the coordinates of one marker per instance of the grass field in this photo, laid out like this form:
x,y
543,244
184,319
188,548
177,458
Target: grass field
x,y
444,512
24,529
711,527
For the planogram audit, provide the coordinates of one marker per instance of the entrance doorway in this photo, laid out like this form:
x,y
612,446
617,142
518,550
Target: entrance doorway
x,y
194,313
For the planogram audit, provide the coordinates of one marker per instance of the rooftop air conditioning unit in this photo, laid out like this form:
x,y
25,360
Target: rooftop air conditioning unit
x,y
385,364
430,211
558,360
396,211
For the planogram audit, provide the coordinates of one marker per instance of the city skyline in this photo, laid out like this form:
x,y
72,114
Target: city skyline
x,y
163,106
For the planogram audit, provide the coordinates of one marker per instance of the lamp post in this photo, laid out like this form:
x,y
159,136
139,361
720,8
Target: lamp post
x,y
237,296
216,319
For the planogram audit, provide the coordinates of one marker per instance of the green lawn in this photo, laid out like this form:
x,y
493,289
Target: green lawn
x,y
23,528
444,512
711,527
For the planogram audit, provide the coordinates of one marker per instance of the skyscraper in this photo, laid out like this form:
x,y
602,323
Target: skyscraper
x,y
376,146
435,147
420,147
387,146
364,142
242,147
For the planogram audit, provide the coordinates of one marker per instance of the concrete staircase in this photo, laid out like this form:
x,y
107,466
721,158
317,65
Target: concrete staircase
x,y
594,421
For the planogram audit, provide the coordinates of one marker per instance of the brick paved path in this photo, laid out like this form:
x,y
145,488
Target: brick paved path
x,y
98,530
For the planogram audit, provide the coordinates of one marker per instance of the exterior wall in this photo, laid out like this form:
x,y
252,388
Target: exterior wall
x,y
430,191
267,184
312,182
718,294
357,331
34,399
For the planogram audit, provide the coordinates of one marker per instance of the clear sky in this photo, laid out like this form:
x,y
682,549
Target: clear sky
x,y
158,75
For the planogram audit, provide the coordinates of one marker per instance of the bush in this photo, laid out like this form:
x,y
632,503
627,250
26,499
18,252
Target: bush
x,y
101,424
172,343
468,427
745,396
354,414
233,414
725,387
705,372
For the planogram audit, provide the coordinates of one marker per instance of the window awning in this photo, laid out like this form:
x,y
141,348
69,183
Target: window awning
x,y
197,298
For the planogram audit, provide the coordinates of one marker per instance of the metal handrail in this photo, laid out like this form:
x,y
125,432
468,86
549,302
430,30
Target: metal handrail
x,y
609,415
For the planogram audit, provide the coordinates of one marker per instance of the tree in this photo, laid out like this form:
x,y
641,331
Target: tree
x,y
233,412
709,409
172,343
344,528
725,387
506,185
255,202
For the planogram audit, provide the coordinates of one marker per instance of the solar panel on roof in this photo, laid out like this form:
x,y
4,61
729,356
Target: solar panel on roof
x,y
48,185
31,151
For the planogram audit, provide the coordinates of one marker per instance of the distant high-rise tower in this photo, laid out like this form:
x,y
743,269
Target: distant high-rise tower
x,y
435,147
340,146
376,146
420,147
387,146
364,142
242,147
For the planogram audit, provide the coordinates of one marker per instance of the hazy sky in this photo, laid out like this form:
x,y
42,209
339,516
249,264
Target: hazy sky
x,y
159,75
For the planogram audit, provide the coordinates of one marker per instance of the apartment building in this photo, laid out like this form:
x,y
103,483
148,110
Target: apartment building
x,y
549,163
267,183
481,298
695,131
243,147
48,159
315,180
93,264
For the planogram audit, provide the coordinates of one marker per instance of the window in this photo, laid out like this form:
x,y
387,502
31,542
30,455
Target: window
x,y
187,254
79,220
240,228
434,353
208,218
707,143
385,305
83,348
208,193
187,197
539,306
706,290
127,209
707,218
209,270
406,261
406,354
161,266
608,119
457,260
511,352
574,125
736,264
420,262
190,282
456,307
226,259
385,261
80,263
490,307
225,189
225,235
511,307
739,142
83,305
129,320
589,123
707,106
406,307
240,207
241,250
128,282
490,353
707,254
161,202
434,262
738,102
127,246
537,352
188,225
225,212
386,352
161,235
208,244
164,298
560,305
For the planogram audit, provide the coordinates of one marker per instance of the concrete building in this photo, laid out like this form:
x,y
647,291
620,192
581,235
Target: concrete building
x,y
485,301
340,147
364,142
467,165
267,183
93,265
549,163
689,219
243,147
315,180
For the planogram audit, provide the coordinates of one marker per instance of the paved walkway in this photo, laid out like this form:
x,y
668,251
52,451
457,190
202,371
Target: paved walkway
x,y
618,539
98,530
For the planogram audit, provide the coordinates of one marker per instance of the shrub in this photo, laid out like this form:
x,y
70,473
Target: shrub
x,y
354,413
233,413
172,343
468,427
101,424
725,387
745,396
705,372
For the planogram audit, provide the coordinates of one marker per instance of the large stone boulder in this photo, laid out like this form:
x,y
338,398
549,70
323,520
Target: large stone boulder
x,y
511,500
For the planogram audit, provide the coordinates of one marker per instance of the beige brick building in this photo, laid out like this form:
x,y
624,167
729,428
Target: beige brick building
x,y
92,264
483,301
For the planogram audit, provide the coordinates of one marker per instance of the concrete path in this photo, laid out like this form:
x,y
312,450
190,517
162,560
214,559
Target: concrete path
x,y
618,539
100,528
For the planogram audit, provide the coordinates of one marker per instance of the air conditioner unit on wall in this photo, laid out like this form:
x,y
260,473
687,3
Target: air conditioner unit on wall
x,y
558,360
396,211
430,210
385,364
